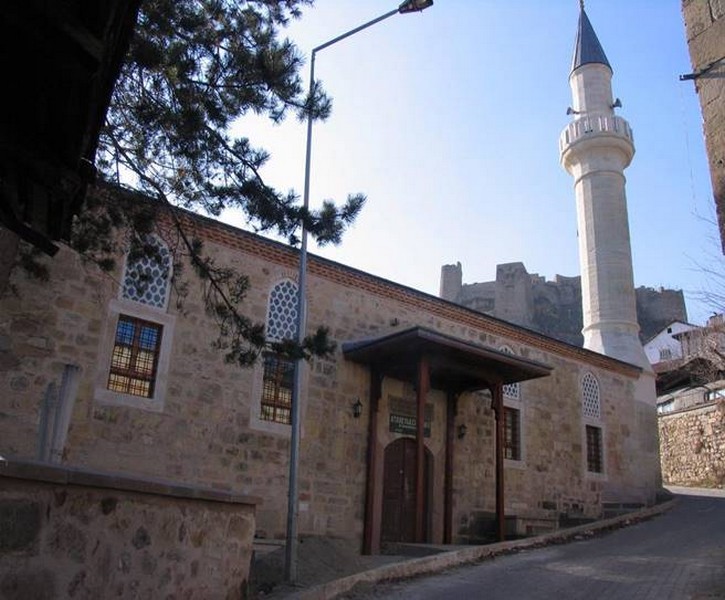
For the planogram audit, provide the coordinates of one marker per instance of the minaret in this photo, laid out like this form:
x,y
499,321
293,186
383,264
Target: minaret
x,y
595,149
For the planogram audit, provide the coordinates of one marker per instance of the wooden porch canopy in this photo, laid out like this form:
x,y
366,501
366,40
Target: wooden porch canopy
x,y
428,359
454,364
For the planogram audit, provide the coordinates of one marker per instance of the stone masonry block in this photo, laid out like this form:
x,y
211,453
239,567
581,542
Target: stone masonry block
x,y
20,523
697,17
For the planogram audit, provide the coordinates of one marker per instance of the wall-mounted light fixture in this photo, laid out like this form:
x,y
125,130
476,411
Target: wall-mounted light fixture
x,y
617,104
462,429
357,408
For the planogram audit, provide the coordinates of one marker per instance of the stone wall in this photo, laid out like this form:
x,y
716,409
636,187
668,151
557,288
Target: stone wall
x,y
77,534
705,28
692,446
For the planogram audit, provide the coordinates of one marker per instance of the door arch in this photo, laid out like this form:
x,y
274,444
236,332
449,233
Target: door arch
x,y
398,522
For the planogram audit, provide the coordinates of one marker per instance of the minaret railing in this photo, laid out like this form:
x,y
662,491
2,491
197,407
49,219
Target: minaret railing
x,y
593,125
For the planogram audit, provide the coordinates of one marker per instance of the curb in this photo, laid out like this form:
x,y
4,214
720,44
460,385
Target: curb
x,y
428,565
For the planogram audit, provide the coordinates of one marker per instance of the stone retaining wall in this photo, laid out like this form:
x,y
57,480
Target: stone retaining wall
x,y
692,446
79,534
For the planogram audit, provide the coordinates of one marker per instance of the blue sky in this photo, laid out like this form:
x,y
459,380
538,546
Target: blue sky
x,y
448,120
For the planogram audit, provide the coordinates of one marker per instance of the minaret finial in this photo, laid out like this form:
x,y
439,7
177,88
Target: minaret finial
x,y
581,4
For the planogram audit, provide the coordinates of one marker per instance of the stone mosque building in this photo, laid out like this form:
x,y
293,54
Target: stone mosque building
x,y
431,422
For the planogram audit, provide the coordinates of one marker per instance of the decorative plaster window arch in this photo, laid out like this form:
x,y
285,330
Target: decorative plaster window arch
x,y
282,311
147,276
511,390
591,404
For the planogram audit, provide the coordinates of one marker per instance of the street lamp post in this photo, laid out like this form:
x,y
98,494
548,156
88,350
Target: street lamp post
x,y
408,6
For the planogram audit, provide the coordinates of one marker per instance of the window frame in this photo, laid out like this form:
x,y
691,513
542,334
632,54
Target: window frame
x,y
116,309
135,348
595,422
254,400
512,442
513,401
665,353
599,447
275,405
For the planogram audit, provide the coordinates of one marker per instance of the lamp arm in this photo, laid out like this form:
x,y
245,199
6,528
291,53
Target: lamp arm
x,y
353,31
308,160
292,504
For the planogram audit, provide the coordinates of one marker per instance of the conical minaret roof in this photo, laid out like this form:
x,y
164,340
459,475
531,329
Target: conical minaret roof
x,y
587,48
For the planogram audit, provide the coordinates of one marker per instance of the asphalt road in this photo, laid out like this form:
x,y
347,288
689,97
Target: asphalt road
x,y
677,555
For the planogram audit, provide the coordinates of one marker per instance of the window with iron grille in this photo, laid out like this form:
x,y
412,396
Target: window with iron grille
x,y
511,433
278,377
135,357
594,449
277,388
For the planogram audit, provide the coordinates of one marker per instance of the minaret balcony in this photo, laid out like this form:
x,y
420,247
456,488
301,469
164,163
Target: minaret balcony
x,y
597,125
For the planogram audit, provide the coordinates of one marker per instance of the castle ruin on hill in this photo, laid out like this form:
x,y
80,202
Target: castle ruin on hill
x,y
551,307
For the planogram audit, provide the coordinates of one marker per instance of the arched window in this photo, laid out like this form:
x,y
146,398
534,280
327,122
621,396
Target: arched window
x,y
512,446
278,378
148,274
592,411
137,366
591,407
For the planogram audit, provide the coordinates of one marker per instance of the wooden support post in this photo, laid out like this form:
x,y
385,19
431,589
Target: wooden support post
x,y
451,411
423,384
497,392
370,544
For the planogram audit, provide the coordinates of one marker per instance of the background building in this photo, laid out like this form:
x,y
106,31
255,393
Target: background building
x,y
691,404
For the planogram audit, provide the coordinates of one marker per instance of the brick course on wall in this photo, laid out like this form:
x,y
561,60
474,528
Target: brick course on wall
x,y
692,446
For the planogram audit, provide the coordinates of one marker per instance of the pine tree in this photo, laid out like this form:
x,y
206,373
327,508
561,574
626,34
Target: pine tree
x,y
194,68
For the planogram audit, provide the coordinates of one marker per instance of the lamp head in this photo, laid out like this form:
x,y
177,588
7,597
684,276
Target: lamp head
x,y
414,6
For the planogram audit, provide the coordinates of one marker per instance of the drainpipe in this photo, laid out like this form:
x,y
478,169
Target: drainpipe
x,y
55,415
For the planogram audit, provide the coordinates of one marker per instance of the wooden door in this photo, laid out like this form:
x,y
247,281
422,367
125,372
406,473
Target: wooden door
x,y
398,523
